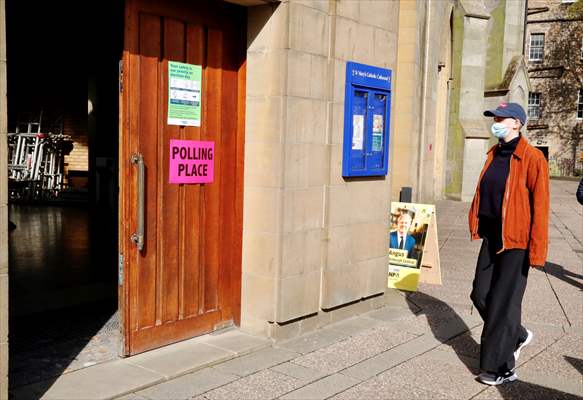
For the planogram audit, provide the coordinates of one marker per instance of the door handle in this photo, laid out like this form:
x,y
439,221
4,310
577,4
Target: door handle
x,y
138,237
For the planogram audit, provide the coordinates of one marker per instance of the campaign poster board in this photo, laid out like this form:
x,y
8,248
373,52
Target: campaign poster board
x,y
192,161
409,227
184,93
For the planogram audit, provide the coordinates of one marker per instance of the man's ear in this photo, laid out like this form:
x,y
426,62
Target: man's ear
x,y
517,123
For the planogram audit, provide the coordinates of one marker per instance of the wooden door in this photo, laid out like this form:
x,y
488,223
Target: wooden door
x,y
187,278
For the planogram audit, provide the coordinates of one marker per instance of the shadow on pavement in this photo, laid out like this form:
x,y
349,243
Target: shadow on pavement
x,y
577,363
527,390
560,272
450,329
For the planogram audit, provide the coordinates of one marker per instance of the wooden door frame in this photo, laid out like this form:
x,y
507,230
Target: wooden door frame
x,y
127,197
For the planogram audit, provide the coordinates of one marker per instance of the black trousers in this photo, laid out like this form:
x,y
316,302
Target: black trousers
x,y
497,293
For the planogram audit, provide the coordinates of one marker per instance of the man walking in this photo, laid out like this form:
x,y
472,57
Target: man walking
x,y
509,213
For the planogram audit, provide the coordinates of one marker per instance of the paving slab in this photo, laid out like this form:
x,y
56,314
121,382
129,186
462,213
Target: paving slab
x,y
467,344
256,361
323,388
445,325
131,396
187,386
388,314
416,324
561,382
520,390
180,358
377,364
453,358
264,385
313,341
456,326
397,298
351,351
103,381
564,356
235,341
545,329
376,389
299,372
352,326
455,380
419,345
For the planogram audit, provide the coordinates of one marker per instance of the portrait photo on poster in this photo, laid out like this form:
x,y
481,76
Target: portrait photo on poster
x,y
409,224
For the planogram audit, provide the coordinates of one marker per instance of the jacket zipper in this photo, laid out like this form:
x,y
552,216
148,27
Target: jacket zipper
x,y
505,202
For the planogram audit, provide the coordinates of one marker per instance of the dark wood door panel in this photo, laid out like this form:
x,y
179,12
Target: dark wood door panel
x,y
187,278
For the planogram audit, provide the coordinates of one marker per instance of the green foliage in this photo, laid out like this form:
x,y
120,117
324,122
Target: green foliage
x,y
576,9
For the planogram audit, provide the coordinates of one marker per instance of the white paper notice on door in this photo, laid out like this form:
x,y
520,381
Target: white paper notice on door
x,y
357,132
184,94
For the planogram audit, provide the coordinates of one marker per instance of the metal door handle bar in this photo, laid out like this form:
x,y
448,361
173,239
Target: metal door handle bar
x,y
138,236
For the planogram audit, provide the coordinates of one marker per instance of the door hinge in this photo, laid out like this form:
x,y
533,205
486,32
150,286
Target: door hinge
x,y
121,76
120,271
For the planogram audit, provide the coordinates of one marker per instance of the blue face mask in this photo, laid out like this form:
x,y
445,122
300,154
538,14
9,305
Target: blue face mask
x,y
499,130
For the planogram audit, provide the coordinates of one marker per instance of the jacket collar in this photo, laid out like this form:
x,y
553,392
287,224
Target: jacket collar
x,y
520,148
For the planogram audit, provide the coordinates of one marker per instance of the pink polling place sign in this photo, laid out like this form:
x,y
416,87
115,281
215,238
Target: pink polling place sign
x,y
191,161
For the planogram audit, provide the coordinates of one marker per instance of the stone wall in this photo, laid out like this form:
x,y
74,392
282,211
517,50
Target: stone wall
x,y
558,78
421,99
487,69
312,241
409,81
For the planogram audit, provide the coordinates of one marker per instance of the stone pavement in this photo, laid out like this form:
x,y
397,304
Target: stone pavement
x,y
424,346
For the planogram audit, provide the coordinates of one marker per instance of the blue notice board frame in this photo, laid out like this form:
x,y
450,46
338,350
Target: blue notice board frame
x,y
367,112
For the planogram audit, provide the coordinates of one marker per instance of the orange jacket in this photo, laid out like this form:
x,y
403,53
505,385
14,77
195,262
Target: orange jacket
x,y
525,206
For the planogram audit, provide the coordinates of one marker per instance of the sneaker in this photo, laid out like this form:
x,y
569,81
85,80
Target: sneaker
x,y
522,344
497,379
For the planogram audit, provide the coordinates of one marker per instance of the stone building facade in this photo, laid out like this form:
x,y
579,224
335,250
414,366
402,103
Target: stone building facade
x,y
314,243
488,68
308,244
305,241
464,56
554,50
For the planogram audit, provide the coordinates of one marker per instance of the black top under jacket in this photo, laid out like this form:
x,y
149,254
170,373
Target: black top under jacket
x,y
493,182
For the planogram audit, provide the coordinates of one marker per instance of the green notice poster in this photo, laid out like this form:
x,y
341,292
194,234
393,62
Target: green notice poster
x,y
184,94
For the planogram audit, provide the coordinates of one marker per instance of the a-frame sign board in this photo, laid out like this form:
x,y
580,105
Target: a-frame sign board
x,y
430,265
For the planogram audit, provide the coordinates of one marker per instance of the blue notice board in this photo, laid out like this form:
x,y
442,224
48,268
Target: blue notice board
x,y
367,110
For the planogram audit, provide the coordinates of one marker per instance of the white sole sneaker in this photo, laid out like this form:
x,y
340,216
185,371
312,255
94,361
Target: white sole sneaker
x,y
521,345
495,379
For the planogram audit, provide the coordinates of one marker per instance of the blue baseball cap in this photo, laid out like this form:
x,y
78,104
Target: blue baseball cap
x,y
508,110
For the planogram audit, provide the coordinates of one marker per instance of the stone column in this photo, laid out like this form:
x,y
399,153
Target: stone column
x,y
262,216
3,212
408,89
472,83
468,133
513,30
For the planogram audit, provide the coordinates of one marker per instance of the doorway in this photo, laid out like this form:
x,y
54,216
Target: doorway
x,y
95,81
181,243
545,151
63,117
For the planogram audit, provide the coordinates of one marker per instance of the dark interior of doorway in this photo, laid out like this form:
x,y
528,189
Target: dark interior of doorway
x,y
545,150
63,59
